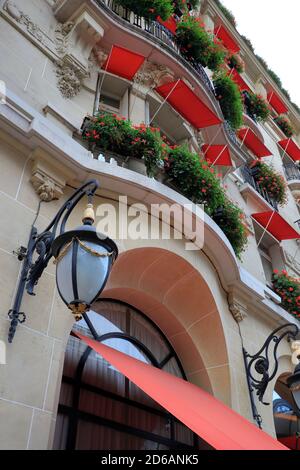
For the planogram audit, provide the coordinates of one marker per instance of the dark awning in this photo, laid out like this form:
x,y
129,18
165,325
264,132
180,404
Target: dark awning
x,y
291,148
123,62
276,225
217,154
277,103
253,143
187,103
227,39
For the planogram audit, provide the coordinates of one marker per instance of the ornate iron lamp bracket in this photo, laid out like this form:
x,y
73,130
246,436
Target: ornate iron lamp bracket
x,y
260,364
40,248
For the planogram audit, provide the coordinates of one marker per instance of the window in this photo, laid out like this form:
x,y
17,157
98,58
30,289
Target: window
x,y
99,408
267,264
109,104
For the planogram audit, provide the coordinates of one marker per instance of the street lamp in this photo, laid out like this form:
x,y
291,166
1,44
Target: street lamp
x,y
83,259
259,365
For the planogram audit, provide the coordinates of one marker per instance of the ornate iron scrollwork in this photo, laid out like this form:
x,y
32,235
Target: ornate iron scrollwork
x,y
40,246
265,368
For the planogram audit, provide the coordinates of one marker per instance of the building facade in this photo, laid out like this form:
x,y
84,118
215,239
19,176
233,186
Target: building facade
x,y
199,308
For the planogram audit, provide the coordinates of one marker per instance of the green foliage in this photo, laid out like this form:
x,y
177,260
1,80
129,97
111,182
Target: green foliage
x,y
248,42
272,182
231,220
274,77
199,183
236,62
113,133
227,13
149,9
147,142
230,99
257,106
193,40
285,125
288,288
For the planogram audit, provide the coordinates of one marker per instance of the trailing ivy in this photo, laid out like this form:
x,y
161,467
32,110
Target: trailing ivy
x,y
199,183
230,99
288,288
256,106
272,182
149,9
197,44
285,125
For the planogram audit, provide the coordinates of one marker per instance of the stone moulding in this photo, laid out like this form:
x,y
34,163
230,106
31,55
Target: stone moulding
x,y
237,308
47,179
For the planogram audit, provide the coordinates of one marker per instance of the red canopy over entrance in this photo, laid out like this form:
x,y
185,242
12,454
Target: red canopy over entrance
x,y
123,62
214,422
227,39
276,225
253,143
187,103
291,148
217,154
277,103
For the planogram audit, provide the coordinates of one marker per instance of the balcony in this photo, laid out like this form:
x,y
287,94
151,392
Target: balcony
x,y
249,177
161,35
158,33
292,173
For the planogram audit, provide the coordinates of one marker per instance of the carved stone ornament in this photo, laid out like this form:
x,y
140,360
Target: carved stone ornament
x,y
99,55
237,308
47,180
70,78
61,36
153,75
13,9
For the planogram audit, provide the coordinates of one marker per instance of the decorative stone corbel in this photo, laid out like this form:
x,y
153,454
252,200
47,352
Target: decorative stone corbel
x,y
99,55
237,308
47,179
152,75
75,41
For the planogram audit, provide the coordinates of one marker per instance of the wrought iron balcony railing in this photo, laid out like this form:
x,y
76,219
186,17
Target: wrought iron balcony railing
x,y
159,32
166,38
292,172
248,177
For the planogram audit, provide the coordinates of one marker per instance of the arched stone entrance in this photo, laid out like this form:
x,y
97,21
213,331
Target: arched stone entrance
x,y
173,295
177,298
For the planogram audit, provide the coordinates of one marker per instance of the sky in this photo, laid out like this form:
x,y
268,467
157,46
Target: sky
x,y
273,26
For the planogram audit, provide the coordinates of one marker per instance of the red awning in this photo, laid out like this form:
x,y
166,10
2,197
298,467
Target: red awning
x,y
277,103
238,79
217,154
253,143
123,62
227,39
214,422
187,103
170,24
276,225
291,148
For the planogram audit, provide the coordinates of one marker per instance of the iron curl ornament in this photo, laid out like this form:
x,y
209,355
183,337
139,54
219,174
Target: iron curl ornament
x,y
51,243
262,367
